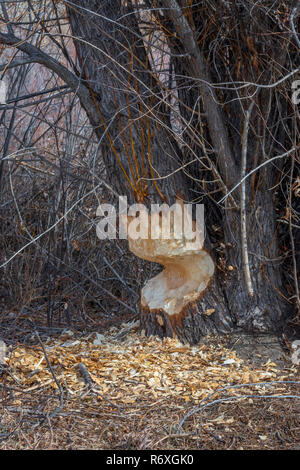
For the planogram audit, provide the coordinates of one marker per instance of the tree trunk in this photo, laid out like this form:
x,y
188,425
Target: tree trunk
x,y
132,123
143,157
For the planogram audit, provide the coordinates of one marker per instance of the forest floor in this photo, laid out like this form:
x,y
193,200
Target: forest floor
x,y
120,390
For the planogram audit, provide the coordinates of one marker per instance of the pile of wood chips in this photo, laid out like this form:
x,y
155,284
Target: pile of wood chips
x,y
125,366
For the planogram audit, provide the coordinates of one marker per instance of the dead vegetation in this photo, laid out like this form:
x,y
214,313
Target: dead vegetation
x,y
121,390
70,381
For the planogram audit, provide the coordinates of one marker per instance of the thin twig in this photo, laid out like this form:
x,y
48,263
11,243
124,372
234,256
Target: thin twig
x,y
295,13
61,392
204,403
255,169
292,238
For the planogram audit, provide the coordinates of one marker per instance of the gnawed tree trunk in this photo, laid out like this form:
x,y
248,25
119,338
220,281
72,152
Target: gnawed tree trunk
x,y
172,295
132,122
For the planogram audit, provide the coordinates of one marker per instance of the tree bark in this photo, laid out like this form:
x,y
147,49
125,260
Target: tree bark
x,y
138,145
133,127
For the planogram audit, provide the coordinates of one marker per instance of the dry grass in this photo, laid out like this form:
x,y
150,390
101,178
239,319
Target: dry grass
x,y
248,424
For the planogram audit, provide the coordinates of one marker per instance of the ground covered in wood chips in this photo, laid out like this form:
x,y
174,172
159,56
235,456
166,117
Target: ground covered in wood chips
x,y
121,390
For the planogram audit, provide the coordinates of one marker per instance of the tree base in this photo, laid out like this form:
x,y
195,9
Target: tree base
x,y
196,320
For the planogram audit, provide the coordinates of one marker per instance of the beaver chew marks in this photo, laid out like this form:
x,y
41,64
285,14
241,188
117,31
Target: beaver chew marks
x,y
187,267
181,282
